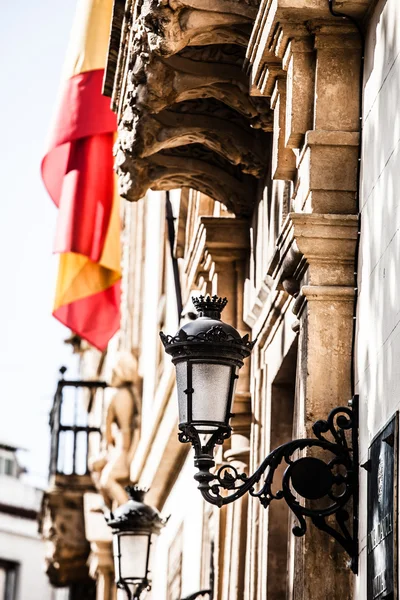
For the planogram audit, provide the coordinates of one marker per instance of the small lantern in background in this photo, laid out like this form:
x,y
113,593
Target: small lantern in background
x,y
135,527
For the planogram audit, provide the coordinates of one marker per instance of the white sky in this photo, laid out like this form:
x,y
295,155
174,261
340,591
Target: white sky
x,y
33,40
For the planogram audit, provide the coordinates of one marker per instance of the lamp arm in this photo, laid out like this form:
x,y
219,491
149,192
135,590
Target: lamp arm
x,y
197,595
311,478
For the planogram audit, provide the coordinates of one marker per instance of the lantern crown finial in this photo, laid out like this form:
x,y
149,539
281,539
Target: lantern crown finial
x,y
136,493
210,306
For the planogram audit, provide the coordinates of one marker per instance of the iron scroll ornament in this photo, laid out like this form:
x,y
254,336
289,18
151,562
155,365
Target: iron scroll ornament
x,y
335,481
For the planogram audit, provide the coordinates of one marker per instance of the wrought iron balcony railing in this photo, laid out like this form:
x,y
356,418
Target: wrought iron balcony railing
x,y
75,423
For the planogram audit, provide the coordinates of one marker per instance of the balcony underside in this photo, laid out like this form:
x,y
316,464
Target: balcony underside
x,y
186,119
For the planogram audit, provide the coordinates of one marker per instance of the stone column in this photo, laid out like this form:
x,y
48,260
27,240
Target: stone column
x,y
325,311
320,58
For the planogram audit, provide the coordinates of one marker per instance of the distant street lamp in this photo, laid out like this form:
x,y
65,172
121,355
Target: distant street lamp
x,y
135,527
207,355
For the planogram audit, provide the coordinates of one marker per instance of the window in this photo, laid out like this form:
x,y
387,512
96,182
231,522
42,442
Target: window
x,y
8,580
8,464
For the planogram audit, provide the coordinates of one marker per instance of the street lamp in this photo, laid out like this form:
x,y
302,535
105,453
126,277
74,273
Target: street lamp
x,y
135,526
207,355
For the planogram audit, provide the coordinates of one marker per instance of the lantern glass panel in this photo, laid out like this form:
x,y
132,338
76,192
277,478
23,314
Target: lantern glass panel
x,y
153,540
133,555
181,382
211,384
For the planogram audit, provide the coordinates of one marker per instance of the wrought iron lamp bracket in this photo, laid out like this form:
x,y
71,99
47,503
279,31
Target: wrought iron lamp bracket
x,y
137,594
196,595
312,487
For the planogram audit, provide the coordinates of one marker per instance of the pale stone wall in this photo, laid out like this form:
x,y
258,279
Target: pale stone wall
x,y
378,335
185,507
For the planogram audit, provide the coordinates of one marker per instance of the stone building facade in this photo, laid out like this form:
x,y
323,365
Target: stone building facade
x,y
244,118
21,549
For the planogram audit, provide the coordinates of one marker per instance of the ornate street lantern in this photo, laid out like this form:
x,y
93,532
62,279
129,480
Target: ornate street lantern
x,y
207,355
135,526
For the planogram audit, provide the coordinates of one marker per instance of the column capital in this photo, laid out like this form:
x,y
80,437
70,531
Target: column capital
x,y
328,243
323,243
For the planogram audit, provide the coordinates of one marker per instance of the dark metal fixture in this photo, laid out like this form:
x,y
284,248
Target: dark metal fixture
x,y
171,238
72,425
135,526
197,595
208,354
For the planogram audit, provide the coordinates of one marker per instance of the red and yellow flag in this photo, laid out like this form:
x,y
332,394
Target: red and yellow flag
x,y
78,174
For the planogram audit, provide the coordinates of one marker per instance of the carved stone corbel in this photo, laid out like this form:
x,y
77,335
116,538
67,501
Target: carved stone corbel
x,y
192,167
288,265
207,122
185,115
63,531
174,25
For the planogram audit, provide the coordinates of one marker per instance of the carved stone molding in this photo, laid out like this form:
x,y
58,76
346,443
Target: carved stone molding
x,y
217,127
315,250
288,265
189,168
179,82
327,172
63,531
174,25
328,243
297,54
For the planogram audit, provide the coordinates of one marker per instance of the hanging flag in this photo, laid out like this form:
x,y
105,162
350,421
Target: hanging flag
x,y
78,174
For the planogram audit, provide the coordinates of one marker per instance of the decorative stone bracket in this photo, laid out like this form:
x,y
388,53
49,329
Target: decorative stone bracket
x,y
185,114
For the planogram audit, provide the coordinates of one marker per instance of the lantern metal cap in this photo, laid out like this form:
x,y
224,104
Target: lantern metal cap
x,y
207,331
135,515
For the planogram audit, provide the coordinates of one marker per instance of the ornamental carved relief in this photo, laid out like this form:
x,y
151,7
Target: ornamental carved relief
x,y
186,118
63,531
174,24
186,166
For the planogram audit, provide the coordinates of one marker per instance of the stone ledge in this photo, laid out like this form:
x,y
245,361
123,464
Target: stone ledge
x,y
319,137
324,292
